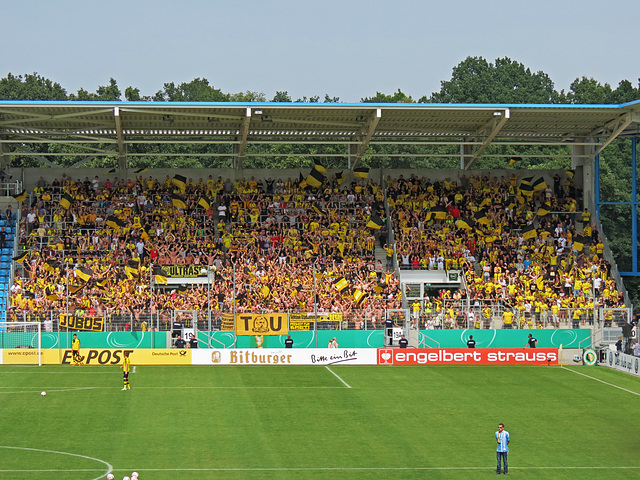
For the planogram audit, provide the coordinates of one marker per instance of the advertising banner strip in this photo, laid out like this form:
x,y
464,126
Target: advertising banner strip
x,y
623,362
285,356
99,356
468,356
258,324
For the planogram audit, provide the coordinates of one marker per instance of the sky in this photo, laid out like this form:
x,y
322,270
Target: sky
x,y
349,49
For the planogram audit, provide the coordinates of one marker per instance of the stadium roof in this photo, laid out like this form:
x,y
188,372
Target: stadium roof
x,y
109,128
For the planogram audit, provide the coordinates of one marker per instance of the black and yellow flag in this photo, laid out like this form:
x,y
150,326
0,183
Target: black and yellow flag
x,y
84,273
205,203
318,166
439,212
114,222
318,210
112,171
340,178
539,184
481,217
131,268
21,197
529,232
315,178
178,201
375,221
159,275
579,242
141,170
21,257
526,190
65,201
544,210
340,284
51,265
361,172
465,224
295,291
514,160
76,288
526,181
544,233
265,291
102,282
358,296
570,173
180,181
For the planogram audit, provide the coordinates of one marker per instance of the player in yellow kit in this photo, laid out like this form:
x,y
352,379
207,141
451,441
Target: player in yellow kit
x,y
126,366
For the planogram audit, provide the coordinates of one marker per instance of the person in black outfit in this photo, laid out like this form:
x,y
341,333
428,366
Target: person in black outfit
x,y
179,343
193,342
619,344
471,343
288,343
404,343
388,325
3,238
531,342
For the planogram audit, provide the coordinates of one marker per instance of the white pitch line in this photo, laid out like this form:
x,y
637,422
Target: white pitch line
x,y
601,381
338,377
134,369
312,469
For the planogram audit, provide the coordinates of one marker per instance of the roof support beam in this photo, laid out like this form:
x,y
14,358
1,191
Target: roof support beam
x,y
244,133
616,127
122,154
489,131
367,131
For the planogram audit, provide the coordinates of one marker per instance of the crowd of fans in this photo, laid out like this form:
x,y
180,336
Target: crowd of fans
x,y
90,247
272,247
523,247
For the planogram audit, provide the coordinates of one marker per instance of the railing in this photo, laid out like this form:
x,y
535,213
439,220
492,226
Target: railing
x,y
484,316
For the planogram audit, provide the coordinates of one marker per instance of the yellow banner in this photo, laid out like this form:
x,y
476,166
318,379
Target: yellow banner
x,y
100,356
310,317
183,271
20,356
91,324
259,324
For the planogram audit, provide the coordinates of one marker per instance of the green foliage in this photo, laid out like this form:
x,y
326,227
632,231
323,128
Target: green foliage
x,y
397,97
30,87
281,97
506,81
108,93
198,90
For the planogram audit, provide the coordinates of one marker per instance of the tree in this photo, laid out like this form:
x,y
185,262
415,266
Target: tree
x,y
30,87
588,91
281,97
397,97
198,90
475,80
108,93
133,95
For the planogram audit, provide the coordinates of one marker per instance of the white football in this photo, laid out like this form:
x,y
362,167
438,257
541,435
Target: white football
x,y
134,475
126,478
110,476
43,393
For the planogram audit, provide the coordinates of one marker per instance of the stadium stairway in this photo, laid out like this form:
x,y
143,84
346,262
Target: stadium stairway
x,y
5,265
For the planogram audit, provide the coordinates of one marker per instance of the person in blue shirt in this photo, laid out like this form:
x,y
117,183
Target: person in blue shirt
x,y
503,439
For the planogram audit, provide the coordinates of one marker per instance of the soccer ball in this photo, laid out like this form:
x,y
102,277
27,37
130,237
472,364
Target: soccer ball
x,y
44,394
134,476
126,478
110,476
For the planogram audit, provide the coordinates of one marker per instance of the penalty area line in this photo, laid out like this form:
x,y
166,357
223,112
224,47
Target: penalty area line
x,y
601,381
318,469
337,376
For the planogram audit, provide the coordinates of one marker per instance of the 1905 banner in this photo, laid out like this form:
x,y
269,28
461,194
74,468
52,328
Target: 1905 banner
x,y
259,324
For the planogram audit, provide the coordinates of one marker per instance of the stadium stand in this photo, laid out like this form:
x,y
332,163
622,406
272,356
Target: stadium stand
x,y
92,248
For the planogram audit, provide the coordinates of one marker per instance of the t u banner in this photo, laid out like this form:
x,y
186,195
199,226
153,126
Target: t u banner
x,y
258,324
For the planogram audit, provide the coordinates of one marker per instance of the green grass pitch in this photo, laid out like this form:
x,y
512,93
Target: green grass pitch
x,y
314,422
